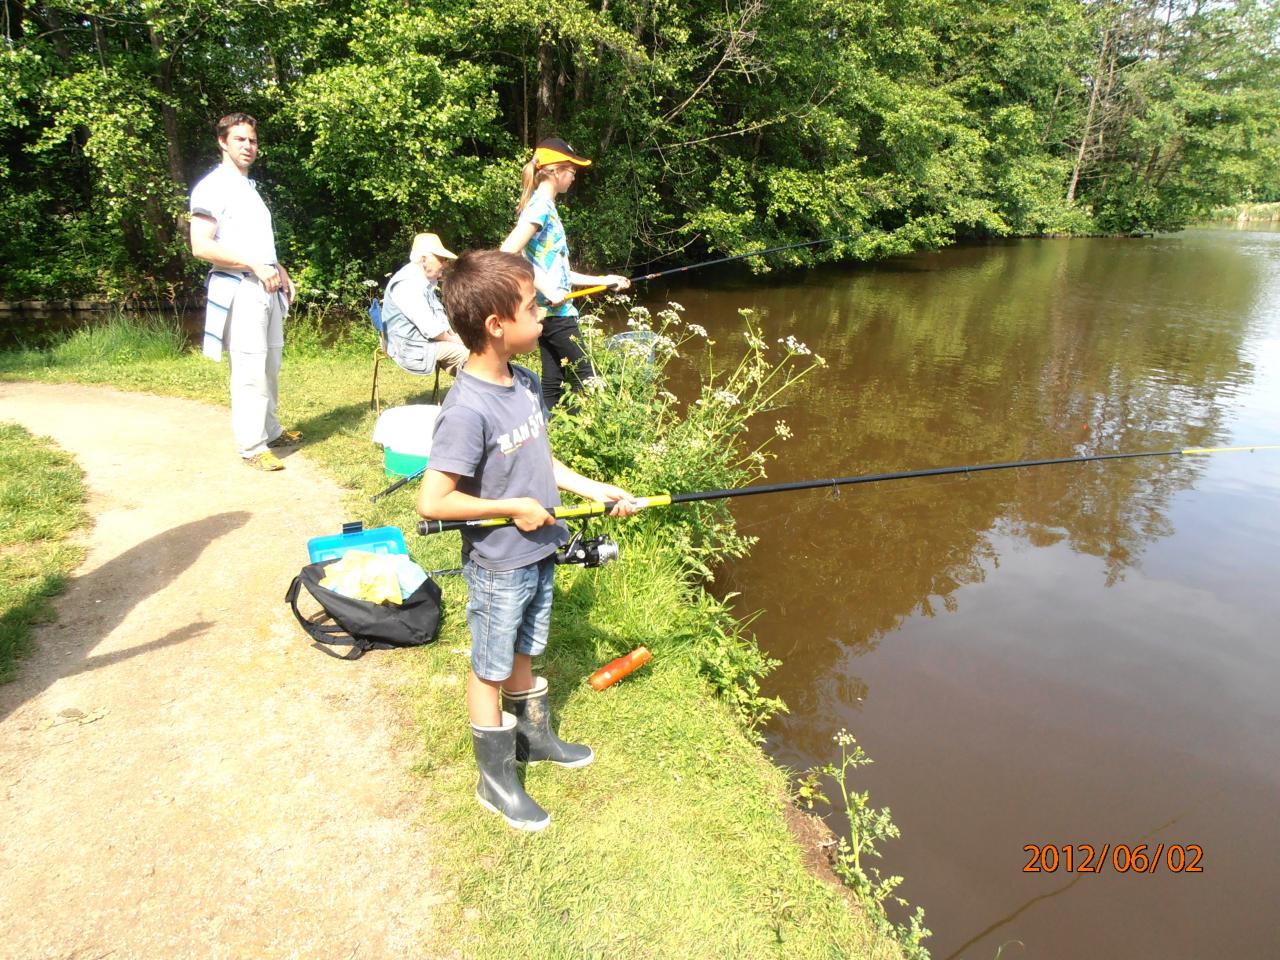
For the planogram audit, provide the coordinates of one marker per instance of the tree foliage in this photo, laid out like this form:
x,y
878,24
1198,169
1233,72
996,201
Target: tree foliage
x,y
716,127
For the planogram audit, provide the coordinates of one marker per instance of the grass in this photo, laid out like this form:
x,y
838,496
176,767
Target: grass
x,y
674,842
41,503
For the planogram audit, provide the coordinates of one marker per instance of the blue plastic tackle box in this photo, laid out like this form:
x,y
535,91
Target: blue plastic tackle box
x,y
355,536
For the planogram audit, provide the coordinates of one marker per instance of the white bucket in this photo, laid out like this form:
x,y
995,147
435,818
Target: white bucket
x,y
405,435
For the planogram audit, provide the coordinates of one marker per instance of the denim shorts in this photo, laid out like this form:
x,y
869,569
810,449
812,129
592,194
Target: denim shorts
x,y
509,612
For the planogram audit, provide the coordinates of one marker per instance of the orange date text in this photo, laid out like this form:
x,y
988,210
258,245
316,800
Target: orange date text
x,y
1139,858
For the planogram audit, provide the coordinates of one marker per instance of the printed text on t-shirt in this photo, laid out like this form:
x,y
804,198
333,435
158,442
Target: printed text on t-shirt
x,y
531,429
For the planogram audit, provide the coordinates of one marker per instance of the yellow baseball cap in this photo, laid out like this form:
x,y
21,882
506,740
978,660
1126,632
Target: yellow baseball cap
x,y
555,150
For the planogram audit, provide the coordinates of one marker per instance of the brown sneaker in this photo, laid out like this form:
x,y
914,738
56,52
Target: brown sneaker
x,y
287,438
266,461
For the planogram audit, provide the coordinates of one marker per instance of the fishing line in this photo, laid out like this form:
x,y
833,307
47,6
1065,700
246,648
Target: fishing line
x,y
777,518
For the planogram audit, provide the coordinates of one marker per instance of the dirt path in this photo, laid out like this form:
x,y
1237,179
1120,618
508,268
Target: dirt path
x,y
182,774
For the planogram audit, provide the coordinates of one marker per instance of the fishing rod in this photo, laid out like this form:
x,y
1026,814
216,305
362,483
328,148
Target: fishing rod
x,y
587,291
428,527
392,488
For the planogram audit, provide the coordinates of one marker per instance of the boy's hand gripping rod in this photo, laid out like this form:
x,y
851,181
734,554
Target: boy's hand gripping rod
x,y
427,527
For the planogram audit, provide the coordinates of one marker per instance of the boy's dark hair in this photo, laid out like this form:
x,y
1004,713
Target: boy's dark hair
x,y
480,283
234,119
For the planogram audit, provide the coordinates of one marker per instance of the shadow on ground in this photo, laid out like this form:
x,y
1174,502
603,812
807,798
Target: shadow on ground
x,y
98,602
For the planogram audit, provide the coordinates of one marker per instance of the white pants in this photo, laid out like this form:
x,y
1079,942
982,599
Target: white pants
x,y
255,341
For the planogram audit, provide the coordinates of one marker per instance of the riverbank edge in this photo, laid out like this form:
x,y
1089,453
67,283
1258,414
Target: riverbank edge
x,y
768,895
190,300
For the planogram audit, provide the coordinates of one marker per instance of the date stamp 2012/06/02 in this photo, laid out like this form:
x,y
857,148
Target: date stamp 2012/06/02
x,y
1142,858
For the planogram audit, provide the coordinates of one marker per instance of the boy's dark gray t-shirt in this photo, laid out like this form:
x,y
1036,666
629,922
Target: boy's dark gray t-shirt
x,y
495,439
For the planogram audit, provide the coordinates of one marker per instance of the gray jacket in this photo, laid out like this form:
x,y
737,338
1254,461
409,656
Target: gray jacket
x,y
413,316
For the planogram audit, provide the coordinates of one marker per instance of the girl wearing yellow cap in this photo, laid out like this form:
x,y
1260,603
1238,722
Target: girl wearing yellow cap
x,y
540,236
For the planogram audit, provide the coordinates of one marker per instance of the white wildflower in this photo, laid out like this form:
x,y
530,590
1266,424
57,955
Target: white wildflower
x,y
594,385
698,330
727,397
678,307
796,346
753,341
669,318
371,283
666,396
782,430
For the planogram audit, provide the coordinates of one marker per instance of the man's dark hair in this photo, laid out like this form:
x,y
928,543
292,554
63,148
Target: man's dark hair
x,y
480,283
233,119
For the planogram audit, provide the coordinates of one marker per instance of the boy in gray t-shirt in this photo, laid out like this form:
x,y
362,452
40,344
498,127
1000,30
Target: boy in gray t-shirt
x,y
490,457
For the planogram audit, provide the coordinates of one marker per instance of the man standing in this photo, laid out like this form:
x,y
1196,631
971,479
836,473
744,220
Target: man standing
x,y
419,337
249,291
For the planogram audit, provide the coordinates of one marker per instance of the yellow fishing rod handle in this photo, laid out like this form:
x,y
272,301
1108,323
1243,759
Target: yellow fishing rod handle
x,y
594,508
1194,450
597,508
586,291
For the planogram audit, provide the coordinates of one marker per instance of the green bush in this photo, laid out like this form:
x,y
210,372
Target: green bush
x,y
627,426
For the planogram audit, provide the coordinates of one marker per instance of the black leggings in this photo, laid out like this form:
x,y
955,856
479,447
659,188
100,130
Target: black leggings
x,y
562,353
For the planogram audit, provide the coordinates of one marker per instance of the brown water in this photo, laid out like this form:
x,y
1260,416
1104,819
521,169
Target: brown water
x,y
1062,655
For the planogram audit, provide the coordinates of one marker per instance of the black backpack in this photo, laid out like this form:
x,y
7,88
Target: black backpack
x,y
362,625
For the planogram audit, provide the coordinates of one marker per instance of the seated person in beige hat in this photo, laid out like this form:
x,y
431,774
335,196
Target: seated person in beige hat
x,y
418,334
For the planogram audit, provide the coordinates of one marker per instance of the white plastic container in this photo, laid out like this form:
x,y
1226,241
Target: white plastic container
x,y
405,436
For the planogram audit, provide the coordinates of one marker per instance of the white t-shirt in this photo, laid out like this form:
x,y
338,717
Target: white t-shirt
x,y
244,222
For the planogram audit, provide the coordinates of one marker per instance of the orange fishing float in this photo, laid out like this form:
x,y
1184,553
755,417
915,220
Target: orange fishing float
x,y
615,670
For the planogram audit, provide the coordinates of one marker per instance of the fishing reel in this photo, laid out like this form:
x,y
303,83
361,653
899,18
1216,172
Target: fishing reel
x,y
588,551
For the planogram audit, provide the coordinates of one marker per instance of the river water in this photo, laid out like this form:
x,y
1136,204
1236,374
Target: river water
x,y
1067,655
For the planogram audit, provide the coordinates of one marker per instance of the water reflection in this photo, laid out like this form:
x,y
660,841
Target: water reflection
x,y
985,355
1050,655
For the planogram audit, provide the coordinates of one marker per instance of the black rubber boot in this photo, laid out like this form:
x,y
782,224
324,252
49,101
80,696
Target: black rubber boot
x,y
499,789
535,740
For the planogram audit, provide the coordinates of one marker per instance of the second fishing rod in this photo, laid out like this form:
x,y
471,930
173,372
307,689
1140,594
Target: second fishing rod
x,y
600,288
